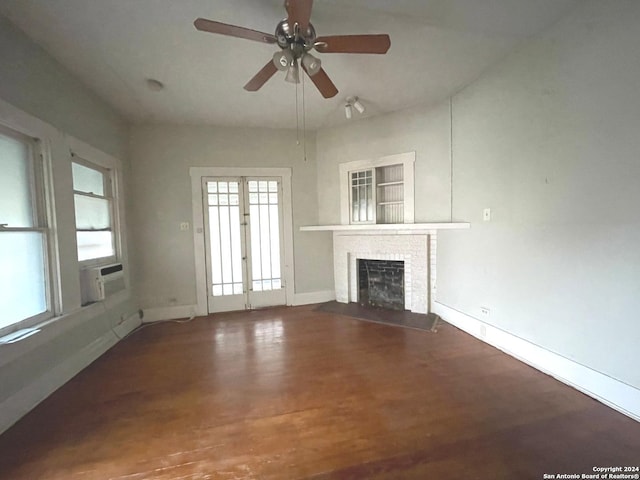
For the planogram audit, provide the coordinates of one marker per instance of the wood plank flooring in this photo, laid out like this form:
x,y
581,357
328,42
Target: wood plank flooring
x,y
294,393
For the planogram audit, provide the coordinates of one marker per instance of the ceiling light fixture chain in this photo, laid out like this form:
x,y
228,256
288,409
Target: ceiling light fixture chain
x,y
304,122
297,120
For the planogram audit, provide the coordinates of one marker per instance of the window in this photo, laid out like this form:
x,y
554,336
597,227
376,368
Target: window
x,y
362,197
24,282
378,190
93,198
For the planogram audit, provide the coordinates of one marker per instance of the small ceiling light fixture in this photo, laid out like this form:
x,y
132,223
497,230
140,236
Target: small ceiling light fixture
x,y
358,106
348,111
154,85
353,102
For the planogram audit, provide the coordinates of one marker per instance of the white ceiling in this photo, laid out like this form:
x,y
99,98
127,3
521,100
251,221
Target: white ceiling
x,y
437,47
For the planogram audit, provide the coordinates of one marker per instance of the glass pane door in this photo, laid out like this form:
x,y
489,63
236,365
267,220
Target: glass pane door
x,y
264,200
243,242
225,244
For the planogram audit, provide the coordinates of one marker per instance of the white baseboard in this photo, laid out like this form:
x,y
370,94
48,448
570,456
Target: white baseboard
x,y
128,326
613,393
158,314
21,402
309,298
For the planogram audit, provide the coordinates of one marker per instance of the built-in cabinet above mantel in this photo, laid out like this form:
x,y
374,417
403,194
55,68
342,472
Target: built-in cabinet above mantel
x,y
388,228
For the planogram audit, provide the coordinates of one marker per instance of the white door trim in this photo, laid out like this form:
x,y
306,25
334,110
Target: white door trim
x,y
196,174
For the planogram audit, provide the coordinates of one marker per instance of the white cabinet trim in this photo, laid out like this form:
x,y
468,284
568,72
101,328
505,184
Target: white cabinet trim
x,y
408,162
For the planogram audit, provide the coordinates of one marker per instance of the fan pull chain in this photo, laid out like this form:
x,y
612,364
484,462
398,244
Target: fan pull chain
x,y
304,122
297,121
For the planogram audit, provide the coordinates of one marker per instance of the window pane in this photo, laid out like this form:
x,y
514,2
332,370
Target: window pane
x,y
94,245
216,249
265,243
15,189
88,180
22,279
274,231
225,253
92,213
256,261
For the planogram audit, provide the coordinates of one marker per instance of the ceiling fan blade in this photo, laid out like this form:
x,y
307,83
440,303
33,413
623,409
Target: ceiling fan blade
x,y
353,44
211,26
323,83
261,77
299,11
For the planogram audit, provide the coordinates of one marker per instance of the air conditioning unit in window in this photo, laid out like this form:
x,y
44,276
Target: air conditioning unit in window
x,y
98,283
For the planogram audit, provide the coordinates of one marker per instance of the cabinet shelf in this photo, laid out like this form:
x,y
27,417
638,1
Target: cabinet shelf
x,y
397,202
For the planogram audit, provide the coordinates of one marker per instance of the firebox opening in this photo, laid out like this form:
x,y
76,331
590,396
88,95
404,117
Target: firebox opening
x,y
381,283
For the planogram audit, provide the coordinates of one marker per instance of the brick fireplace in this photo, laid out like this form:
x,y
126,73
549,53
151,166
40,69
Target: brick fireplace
x,y
415,244
381,283
416,251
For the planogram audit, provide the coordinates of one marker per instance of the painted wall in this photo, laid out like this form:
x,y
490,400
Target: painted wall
x,y
423,130
549,141
161,158
35,83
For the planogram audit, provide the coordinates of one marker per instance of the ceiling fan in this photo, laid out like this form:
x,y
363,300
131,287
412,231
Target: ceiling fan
x,y
296,36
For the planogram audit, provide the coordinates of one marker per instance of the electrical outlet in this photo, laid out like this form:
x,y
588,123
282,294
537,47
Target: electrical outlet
x,y
184,226
485,311
486,215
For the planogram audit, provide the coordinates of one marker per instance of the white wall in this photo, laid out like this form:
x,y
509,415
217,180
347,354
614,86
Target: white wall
x,y
550,141
423,130
161,158
35,88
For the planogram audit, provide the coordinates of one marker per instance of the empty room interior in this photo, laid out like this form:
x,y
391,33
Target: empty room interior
x,y
312,240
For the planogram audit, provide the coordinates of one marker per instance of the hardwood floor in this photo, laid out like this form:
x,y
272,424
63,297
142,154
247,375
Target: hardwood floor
x,y
296,393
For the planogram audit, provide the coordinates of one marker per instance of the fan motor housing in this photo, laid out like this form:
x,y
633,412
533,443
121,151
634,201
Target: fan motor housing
x,y
286,37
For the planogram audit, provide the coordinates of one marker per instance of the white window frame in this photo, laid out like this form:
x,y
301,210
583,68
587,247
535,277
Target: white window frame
x,y
40,190
90,157
407,160
373,196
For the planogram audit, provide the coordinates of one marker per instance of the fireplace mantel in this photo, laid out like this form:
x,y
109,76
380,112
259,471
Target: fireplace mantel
x,y
414,244
388,228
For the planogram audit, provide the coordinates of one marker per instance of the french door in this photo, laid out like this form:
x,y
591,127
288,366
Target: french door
x,y
244,242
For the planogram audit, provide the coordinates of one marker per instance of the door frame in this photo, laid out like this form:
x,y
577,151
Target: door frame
x,y
197,173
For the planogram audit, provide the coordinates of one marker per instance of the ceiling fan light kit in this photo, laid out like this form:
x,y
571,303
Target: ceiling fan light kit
x,y
312,65
283,60
293,73
296,36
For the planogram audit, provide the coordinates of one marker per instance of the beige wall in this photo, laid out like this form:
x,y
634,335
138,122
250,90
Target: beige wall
x,y
161,158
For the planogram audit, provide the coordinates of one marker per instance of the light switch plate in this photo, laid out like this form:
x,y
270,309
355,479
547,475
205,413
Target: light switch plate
x,y
486,214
